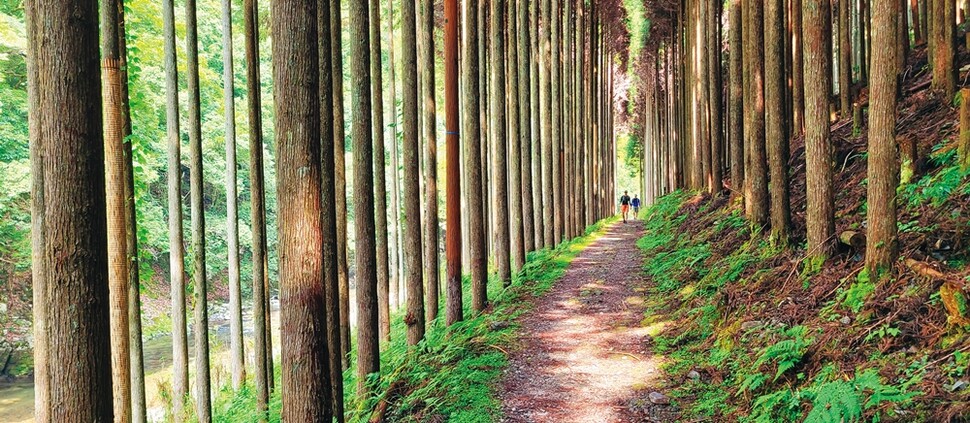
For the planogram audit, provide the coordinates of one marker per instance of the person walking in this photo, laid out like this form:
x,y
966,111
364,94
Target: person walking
x,y
635,202
625,205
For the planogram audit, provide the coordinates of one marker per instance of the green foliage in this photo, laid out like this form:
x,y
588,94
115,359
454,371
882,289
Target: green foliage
x,y
855,297
937,188
788,352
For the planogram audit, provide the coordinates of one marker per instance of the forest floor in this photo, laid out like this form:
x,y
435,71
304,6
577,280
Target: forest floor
x,y
584,356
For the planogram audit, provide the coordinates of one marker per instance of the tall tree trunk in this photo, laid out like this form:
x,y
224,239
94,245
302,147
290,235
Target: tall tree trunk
x,y
758,174
380,177
396,293
263,355
412,175
514,191
368,356
736,110
116,209
716,88
797,76
545,113
453,305
426,56
68,128
820,209
556,123
883,167
944,75
902,36
498,141
525,125
916,20
845,60
232,226
203,402
296,71
473,197
775,116
38,271
536,126
328,210
339,156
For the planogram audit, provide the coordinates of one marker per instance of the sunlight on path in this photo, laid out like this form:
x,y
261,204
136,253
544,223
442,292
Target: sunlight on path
x,y
583,358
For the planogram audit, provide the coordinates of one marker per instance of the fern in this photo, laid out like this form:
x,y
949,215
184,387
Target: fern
x,y
786,353
834,402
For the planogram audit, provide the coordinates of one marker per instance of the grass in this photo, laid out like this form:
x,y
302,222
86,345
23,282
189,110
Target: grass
x,y
452,373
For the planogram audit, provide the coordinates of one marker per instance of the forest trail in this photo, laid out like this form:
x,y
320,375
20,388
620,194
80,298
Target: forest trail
x,y
584,357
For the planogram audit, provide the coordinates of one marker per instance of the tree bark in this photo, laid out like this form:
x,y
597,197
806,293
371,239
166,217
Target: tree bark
x,y
757,176
944,75
798,76
883,167
845,60
735,128
820,209
526,137
263,355
339,139
902,36
472,145
536,123
545,113
296,71
777,141
453,305
963,147
498,141
328,212
380,177
514,190
203,394
368,356
716,185
412,175
68,129
431,238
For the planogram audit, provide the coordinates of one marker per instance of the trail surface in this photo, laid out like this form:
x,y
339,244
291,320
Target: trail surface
x,y
584,356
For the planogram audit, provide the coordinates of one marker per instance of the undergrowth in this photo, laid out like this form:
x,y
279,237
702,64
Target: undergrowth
x,y
451,374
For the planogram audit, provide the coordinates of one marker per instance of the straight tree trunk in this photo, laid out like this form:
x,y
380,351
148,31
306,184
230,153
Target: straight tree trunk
x,y
845,60
305,365
514,190
114,154
328,210
545,113
556,123
472,145
412,178
339,156
263,354
775,116
820,209
944,75
498,141
396,293
203,402
902,36
716,88
916,20
237,356
68,129
883,167
426,56
380,178
526,112
453,304
536,125
798,76
758,174
368,355
735,129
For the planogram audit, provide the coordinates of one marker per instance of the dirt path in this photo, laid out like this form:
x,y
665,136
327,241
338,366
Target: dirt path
x,y
584,357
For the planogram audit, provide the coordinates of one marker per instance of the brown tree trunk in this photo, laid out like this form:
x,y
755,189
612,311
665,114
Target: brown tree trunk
x,y
963,147
263,355
328,212
116,209
498,141
232,225
944,75
883,173
296,71
380,177
545,113
368,356
517,251
775,116
472,145
339,133
426,56
736,109
68,125
798,76
556,123
902,36
820,209
716,184
845,60
536,123
917,21
758,172
203,393
525,125
412,176
453,304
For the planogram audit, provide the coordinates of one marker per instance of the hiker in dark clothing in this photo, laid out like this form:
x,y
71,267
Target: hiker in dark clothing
x,y
625,205
636,206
